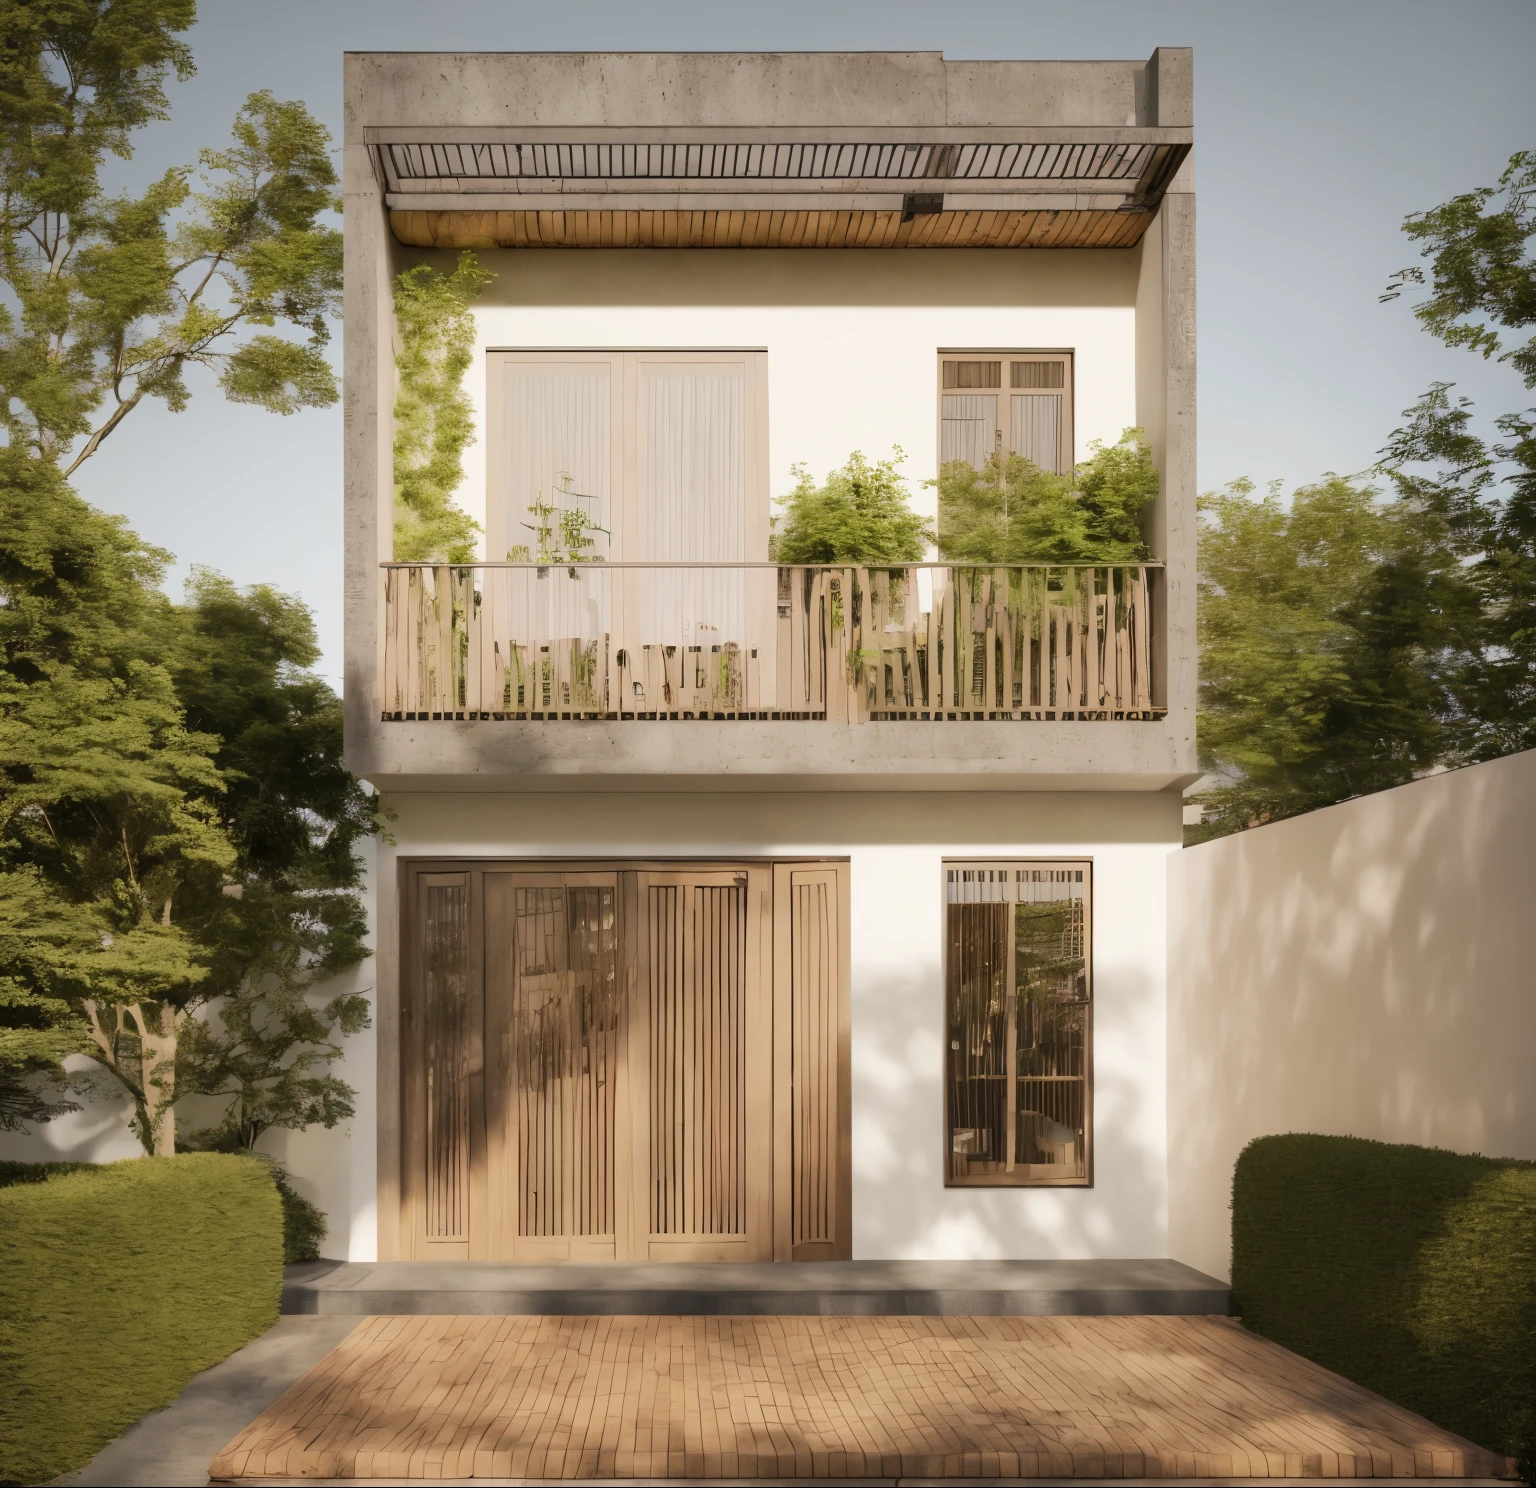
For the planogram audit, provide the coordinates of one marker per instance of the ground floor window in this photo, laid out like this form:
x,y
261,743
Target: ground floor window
x,y
1018,1086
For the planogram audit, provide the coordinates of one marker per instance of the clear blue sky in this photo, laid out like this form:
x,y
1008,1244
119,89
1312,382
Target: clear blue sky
x,y
1318,127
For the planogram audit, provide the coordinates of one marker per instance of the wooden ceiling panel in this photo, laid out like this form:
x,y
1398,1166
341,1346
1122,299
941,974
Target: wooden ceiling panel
x,y
769,229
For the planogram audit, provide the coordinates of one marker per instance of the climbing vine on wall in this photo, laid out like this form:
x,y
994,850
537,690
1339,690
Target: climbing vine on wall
x,y
434,422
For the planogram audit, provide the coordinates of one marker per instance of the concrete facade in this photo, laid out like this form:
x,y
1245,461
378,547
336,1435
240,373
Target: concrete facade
x,y
1133,310
896,798
893,799
896,844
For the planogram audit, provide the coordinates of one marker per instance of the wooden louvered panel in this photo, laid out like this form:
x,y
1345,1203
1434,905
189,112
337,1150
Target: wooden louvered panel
x,y
445,984
565,1057
812,1216
441,1090
703,1109
633,1023
813,1075
555,1022
698,1059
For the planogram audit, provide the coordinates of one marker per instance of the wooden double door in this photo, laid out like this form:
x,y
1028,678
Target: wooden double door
x,y
626,1062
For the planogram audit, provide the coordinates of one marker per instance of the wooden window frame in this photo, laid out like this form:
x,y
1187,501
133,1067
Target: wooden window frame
x,y
1028,1175
1066,447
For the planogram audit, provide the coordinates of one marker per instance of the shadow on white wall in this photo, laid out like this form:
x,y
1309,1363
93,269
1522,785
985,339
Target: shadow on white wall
x,y
900,1205
1366,970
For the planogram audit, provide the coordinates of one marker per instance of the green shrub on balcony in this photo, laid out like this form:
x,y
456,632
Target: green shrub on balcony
x,y
1012,511
859,514
118,1283
1410,1270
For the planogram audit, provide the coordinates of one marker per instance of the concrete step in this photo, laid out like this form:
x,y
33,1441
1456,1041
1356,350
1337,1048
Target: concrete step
x,y
820,1288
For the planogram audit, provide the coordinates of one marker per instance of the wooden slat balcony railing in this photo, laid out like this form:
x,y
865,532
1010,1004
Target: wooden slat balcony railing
x,y
838,643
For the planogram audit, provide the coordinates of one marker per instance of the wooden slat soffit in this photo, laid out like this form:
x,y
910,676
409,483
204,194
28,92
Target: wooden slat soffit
x,y
1009,188
769,229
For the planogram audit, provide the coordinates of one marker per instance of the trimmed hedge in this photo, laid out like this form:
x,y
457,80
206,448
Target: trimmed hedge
x,y
118,1283
1410,1270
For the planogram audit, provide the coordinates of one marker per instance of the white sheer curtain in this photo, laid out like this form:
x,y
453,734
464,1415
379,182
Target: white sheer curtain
x,y
558,440
558,451
968,428
1036,428
692,473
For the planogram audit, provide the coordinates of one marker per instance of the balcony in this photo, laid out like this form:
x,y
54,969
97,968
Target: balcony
x,y
833,644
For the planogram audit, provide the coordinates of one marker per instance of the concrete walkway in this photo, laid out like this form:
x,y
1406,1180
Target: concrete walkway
x,y
174,1446
803,1289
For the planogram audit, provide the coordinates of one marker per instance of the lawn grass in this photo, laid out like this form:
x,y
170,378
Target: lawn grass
x,y
118,1283
1410,1270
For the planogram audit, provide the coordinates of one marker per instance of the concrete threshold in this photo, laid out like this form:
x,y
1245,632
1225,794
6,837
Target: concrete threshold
x,y
815,1289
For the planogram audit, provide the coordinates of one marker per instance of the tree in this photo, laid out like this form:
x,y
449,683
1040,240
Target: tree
x,y
1355,643
1333,629
1482,279
434,422
1012,511
118,831
115,297
292,915
858,515
105,795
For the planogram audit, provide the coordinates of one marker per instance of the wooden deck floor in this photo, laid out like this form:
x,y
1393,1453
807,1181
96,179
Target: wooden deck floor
x,y
835,1397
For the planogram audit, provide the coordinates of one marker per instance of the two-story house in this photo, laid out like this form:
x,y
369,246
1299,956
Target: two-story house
x,y
736,910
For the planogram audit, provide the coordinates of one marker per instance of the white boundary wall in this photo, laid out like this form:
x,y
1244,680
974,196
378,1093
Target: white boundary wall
x,y
1368,970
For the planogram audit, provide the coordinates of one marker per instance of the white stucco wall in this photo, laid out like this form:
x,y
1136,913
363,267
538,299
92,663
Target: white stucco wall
x,y
852,337
895,844
1368,970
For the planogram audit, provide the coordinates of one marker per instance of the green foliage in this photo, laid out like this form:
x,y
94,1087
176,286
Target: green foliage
x,y
267,1055
125,835
1482,278
561,533
113,298
117,1285
293,915
1482,275
434,422
1012,511
116,839
78,592
1357,643
29,1172
1408,1269
111,846
858,515
1331,632
304,1225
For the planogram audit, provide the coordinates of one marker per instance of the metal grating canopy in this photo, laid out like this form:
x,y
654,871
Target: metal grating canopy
x,y
409,165
775,185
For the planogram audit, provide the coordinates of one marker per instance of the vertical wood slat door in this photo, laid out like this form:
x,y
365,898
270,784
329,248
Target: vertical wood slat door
x,y
812,1109
701,1061
441,1019
555,1014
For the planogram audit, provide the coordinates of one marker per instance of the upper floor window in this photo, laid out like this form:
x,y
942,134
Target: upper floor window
x,y
650,456
1007,403
1018,1009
